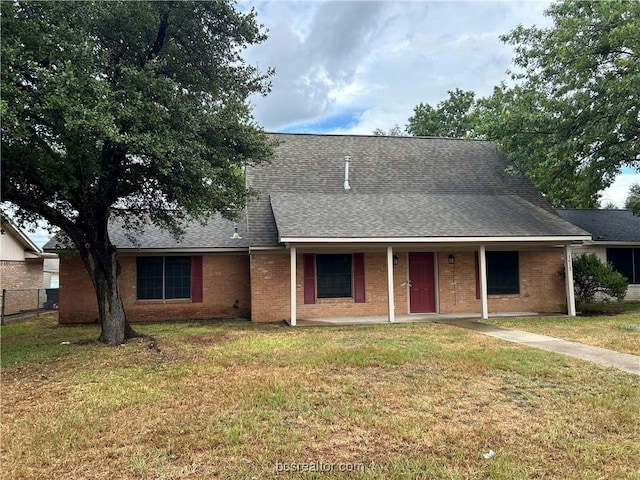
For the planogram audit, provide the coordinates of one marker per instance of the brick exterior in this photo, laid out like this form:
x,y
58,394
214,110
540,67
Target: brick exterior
x,y
260,283
541,288
16,274
225,281
21,279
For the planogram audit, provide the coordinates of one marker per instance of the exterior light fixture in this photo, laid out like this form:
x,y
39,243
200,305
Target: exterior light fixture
x,y
396,260
452,259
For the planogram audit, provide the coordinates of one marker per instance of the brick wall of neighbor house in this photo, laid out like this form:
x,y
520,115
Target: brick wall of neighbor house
x,y
17,274
541,288
21,279
225,281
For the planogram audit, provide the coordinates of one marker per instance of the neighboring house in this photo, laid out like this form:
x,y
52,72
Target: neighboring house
x,y
21,268
615,239
20,259
364,225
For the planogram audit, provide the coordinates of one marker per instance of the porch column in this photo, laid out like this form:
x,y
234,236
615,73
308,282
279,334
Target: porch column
x,y
568,269
392,307
483,283
294,307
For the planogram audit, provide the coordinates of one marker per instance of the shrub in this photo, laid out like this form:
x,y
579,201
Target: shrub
x,y
591,276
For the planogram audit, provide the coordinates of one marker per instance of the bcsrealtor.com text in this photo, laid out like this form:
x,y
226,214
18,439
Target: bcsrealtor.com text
x,y
319,466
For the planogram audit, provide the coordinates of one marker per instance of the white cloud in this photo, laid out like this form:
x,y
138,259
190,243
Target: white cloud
x,y
618,192
378,60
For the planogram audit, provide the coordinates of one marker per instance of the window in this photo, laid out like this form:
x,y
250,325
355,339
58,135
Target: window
x,y
626,261
333,275
502,273
163,277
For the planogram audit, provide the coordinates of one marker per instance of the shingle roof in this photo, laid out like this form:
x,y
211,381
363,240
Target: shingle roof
x,y
371,215
414,186
605,225
215,234
400,187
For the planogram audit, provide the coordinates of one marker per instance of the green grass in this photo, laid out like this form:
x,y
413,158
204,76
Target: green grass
x,y
620,332
230,399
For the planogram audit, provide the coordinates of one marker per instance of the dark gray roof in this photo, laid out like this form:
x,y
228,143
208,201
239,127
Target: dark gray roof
x,y
215,234
342,215
400,186
605,225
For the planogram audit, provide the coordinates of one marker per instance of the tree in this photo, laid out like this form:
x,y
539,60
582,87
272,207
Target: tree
x,y
591,276
129,109
633,200
396,131
572,120
451,117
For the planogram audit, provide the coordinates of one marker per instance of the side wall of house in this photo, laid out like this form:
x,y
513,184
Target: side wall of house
x,y
21,279
633,292
225,283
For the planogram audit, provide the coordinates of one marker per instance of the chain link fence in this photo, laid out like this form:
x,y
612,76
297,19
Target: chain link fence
x,y
17,303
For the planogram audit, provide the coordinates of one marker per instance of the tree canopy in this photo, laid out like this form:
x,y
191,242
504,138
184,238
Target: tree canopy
x,y
126,107
570,117
450,118
633,200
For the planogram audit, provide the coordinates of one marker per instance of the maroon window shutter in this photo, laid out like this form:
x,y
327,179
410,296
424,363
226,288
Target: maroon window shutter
x,y
358,277
196,279
308,260
477,275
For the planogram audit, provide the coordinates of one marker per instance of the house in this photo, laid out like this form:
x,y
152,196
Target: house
x,y
364,225
615,239
21,269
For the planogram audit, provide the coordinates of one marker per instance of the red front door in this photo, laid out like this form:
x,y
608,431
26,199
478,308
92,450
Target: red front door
x,y
422,297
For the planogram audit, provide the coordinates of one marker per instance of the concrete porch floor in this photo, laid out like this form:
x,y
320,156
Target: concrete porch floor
x,y
413,318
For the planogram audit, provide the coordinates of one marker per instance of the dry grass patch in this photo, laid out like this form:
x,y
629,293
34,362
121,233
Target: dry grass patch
x,y
231,400
619,332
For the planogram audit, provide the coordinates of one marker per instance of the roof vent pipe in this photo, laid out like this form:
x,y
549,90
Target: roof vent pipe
x,y
347,158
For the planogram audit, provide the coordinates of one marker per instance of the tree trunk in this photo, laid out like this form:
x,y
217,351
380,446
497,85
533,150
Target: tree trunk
x,y
104,270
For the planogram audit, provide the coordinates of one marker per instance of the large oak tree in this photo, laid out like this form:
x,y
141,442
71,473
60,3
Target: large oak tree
x,y
126,108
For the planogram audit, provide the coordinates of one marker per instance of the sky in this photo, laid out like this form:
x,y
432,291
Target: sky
x,y
351,67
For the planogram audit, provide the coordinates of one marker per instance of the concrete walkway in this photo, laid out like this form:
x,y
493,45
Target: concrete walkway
x,y
602,356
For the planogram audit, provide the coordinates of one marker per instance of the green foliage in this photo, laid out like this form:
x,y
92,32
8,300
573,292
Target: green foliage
x,y
396,131
451,117
573,118
591,276
137,109
633,200
139,105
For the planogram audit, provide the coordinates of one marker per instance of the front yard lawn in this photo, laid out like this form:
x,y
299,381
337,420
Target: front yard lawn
x,y
615,331
231,399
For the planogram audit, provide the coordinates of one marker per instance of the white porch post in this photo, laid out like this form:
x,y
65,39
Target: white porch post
x,y
483,283
568,269
392,307
294,306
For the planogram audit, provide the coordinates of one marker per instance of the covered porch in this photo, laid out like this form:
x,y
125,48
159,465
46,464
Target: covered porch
x,y
396,280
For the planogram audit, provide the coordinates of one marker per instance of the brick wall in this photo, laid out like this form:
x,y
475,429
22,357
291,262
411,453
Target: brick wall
x,y
225,281
21,279
21,274
541,288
